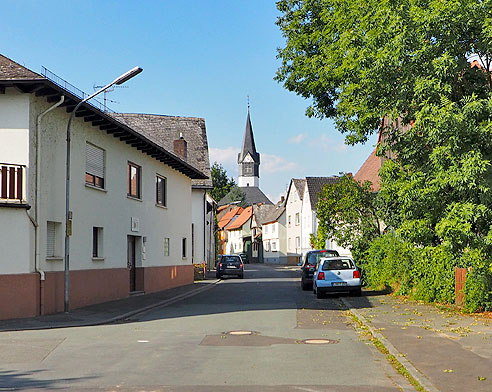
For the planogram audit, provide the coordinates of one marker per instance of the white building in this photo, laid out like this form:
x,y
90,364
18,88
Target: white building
x,y
301,200
238,237
130,201
274,235
187,138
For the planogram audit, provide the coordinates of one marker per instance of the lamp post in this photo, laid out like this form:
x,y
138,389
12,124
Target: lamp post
x,y
68,214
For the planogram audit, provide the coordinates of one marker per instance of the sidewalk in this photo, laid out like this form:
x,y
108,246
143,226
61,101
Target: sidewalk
x,y
446,350
108,312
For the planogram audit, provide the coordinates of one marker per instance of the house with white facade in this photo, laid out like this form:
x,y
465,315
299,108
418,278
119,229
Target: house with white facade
x,y
186,137
274,235
239,233
130,221
301,200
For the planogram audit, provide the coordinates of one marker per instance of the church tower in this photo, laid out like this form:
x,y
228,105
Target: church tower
x,y
248,159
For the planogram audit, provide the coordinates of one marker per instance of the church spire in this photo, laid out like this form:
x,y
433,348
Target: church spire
x,y
248,159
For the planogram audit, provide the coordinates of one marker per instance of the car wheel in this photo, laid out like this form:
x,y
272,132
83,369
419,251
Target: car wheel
x,y
319,294
357,293
314,289
304,286
217,276
241,276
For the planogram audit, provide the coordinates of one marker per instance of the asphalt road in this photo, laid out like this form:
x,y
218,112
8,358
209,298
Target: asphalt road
x,y
260,333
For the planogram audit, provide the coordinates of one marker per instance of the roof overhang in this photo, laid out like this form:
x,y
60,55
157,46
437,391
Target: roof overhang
x,y
104,121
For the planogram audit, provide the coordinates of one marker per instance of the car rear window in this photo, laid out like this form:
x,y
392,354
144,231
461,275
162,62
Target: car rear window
x,y
230,259
338,264
314,257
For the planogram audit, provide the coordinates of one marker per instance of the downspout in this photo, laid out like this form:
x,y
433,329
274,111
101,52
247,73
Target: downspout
x,y
35,222
205,227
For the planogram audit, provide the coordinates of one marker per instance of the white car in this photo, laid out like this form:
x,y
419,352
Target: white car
x,y
336,275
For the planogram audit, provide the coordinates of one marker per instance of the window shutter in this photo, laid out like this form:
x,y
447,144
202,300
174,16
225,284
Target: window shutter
x,y
94,160
50,239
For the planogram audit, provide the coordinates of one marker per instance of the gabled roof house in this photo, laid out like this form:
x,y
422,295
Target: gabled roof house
x,y
131,217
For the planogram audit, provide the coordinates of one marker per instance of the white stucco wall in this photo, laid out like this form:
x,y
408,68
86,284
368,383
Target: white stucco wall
x,y
276,232
16,230
198,218
293,206
110,208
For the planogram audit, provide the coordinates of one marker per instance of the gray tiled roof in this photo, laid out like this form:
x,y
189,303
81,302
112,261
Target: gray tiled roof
x,y
163,130
10,70
315,185
252,195
299,183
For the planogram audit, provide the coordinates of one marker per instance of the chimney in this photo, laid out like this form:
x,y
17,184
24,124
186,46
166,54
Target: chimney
x,y
282,198
180,147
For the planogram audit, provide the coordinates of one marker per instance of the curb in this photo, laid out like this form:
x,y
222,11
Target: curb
x,y
414,372
121,316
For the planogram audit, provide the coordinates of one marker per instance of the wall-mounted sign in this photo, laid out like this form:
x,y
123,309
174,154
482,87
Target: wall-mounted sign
x,y
135,226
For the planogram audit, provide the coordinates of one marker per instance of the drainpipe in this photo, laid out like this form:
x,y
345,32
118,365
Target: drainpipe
x,y
205,227
35,221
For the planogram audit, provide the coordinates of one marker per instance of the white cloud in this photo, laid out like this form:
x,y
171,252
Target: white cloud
x,y
325,143
274,164
225,156
297,139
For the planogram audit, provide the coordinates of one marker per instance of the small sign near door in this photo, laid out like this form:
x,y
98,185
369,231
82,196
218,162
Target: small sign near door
x,y
135,224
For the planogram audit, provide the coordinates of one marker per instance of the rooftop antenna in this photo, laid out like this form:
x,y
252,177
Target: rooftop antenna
x,y
248,102
109,90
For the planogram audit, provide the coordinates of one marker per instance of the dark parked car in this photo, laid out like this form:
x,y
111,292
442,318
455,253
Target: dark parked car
x,y
230,265
308,267
244,257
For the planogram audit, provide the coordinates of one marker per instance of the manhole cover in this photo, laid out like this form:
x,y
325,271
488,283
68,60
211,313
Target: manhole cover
x,y
319,341
240,333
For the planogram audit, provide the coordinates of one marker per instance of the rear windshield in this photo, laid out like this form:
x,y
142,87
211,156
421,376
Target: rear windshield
x,y
230,259
314,257
338,264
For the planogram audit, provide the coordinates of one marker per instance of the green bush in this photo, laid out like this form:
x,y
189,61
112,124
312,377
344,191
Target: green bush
x,y
389,263
433,273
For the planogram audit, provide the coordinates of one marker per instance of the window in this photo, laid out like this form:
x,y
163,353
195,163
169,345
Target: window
x,y
166,246
274,246
94,165
97,242
160,190
297,219
298,242
53,239
266,229
267,245
290,243
274,228
183,248
134,173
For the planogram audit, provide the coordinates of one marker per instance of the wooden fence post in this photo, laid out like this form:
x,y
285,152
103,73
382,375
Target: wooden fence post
x,y
459,285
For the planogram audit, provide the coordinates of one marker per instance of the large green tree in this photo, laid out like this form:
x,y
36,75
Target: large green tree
x,y
410,62
347,213
221,183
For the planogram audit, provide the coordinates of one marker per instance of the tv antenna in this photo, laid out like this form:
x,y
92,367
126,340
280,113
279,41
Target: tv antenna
x,y
109,90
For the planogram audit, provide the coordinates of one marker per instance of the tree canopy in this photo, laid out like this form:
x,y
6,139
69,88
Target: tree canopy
x,y
221,183
424,67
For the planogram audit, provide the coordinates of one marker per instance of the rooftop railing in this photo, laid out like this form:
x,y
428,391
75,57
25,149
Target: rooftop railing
x,y
74,90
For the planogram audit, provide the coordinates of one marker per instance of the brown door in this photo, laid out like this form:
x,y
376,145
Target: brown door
x,y
131,252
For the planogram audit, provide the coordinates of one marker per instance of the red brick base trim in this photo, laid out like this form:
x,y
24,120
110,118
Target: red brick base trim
x,y
21,295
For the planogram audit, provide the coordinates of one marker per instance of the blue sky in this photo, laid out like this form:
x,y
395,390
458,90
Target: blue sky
x,y
200,59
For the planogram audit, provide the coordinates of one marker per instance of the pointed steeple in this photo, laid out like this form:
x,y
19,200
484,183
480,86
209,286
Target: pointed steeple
x,y
248,143
248,159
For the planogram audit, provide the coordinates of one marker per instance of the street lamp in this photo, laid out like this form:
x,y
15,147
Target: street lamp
x,y
68,214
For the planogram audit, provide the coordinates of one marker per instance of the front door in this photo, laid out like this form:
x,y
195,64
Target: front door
x,y
131,256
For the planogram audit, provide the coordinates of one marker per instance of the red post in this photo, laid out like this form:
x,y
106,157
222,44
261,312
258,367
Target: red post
x,y
19,183
3,186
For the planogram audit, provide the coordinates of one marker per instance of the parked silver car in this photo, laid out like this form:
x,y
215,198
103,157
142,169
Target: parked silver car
x,y
336,275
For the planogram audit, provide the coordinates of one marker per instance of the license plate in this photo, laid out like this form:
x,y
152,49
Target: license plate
x,y
231,266
339,284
